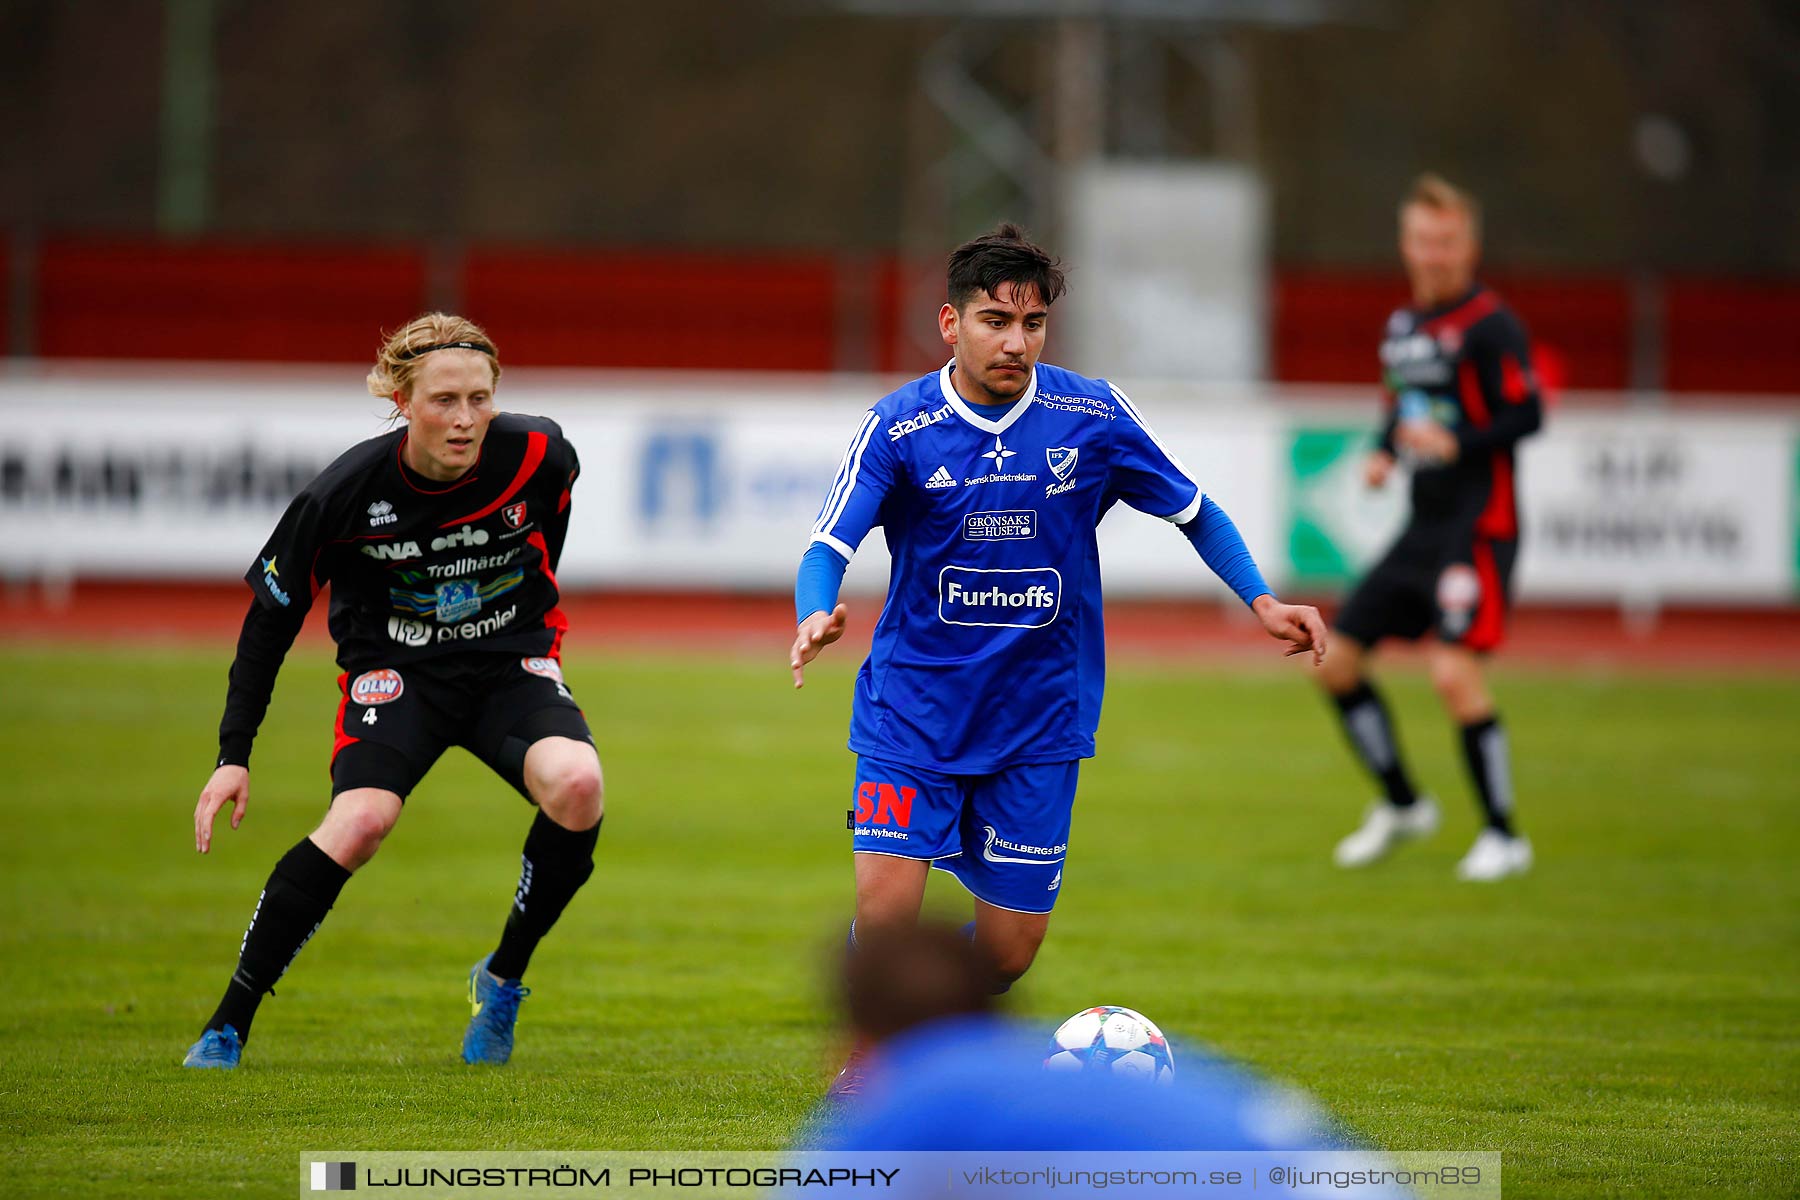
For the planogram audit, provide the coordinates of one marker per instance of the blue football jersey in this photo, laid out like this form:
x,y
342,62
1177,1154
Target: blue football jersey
x,y
990,650
979,1083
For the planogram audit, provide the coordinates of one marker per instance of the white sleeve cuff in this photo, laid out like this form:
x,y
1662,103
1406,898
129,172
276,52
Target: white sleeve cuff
x,y
849,552
1190,512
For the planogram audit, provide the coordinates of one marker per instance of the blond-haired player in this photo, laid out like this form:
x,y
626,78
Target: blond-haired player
x,y
440,539
1456,366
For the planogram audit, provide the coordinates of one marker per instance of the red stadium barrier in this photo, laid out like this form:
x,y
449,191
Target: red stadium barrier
x,y
655,309
121,298
1326,325
1580,327
1732,336
142,298
906,335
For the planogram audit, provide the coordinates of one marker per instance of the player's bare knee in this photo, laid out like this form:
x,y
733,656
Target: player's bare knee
x,y
885,905
1459,685
1338,678
1342,669
354,829
1012,944
888,891
370,825
1471,706
1015,957
574,794
883,909
565,781
1449,676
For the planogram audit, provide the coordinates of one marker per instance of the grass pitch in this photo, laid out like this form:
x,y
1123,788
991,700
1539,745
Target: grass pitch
x,y
1624,1020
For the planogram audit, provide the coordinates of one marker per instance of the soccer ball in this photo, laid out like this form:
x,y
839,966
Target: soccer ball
x,y
1115,1040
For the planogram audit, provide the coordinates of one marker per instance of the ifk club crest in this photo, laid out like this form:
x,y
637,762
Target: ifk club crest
x,y
1062,460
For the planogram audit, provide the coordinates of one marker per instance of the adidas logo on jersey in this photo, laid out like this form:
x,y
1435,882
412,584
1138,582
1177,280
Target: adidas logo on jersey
x,y
941,478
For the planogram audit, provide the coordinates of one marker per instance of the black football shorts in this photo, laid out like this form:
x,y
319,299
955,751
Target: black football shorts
x,y
1459,587
394,722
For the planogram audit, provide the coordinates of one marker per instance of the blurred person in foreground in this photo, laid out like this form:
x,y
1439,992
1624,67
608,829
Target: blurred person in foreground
x,y
947,1071
982,689
1460,392
440,540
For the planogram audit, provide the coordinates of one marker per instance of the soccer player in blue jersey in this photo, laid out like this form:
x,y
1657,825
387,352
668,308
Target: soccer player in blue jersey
x,y
982,690
950,1072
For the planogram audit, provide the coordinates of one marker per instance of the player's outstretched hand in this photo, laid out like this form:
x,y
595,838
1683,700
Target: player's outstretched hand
x,y
1300,624
228,785
815,633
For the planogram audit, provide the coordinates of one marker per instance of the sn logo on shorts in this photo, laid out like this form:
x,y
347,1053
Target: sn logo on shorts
x,y
885,804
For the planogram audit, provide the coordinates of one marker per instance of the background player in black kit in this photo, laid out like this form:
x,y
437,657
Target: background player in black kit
x,y
440,540
1457,372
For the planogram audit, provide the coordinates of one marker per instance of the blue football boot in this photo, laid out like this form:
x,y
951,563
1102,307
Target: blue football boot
x,y
218,1049
495,1005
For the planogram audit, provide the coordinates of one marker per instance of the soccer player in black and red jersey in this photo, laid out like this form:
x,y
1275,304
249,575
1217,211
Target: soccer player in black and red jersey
x,y
1457,373
440,540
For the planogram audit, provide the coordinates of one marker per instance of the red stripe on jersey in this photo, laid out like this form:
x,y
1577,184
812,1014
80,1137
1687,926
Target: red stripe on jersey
x,y
536,444
1486,630
1513,382
564,502
1473,402
1463,316
343,738
1500,518
554,619
536,538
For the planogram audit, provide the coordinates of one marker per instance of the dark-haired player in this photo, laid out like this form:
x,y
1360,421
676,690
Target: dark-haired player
x,y
1457,370
440,541
954,1073
982,691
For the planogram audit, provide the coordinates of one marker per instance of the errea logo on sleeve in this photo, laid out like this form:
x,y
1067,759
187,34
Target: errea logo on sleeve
x,y
1027,598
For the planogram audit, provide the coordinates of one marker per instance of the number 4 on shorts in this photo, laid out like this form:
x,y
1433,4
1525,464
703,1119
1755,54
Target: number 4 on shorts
x,y
369,717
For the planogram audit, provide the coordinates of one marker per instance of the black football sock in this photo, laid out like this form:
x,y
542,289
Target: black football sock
x,y
300,891
1490,767
555,864
1371,733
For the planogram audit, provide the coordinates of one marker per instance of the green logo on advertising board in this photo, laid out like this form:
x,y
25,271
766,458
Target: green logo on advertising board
x,y
1313,556
1335,524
